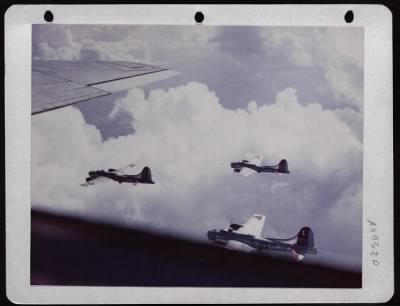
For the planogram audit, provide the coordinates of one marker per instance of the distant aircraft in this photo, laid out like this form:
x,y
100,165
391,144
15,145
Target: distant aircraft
x,y
57,84
247,237
246,167
117,175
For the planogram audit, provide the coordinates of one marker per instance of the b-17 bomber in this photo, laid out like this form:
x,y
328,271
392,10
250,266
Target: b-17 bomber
x,y
117,175
246,167
247,237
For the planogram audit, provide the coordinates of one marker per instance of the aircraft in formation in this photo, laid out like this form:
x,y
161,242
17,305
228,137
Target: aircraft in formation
x,y
57,84
117,175
247,237
246,168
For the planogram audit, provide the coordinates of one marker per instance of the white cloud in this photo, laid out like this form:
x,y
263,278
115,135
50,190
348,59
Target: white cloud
x,y
64,43
295,47
137,44
337,51
189,139
278,185
54,42
353,119
45,51
343,43
344,83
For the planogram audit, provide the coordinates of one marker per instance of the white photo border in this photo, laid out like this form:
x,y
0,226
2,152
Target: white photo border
x,y
377,280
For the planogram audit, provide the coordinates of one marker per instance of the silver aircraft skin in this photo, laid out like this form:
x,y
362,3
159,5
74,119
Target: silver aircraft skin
x,y
246,167
247,238
57,83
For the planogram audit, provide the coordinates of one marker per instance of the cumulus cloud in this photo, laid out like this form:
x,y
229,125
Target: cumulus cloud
x,y
295,47
53,42
337,51
58,42
353,119
133,43
189,134
324,64
188,139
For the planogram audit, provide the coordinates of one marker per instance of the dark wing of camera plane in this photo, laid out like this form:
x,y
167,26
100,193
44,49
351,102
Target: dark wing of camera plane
x,y
245,168
57,84
117,175
247,237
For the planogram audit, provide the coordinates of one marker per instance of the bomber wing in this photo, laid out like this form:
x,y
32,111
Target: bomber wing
x,y
247,171
57,84
253,226
256,160
97,180
121,170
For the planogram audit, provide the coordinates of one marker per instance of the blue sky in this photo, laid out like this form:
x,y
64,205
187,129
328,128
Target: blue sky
x,y
282,92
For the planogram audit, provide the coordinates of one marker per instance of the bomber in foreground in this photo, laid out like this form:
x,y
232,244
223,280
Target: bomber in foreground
x,y
247,237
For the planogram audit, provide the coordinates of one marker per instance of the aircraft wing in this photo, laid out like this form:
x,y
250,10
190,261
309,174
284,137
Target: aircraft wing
x,y
58,83
246,171
121,170
256,161
253,226
96,181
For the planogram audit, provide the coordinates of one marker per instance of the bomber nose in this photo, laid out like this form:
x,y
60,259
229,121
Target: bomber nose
x,y
234,165
211,235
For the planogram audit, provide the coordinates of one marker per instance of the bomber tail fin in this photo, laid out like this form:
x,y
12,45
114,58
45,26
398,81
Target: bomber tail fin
x,y
146,176
305,237
304,243
283,166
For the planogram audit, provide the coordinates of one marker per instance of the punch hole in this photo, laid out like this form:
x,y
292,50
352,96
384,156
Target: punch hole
x,y
48,16
349,16
199,17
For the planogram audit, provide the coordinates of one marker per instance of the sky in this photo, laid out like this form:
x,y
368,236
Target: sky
x,y
280,92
